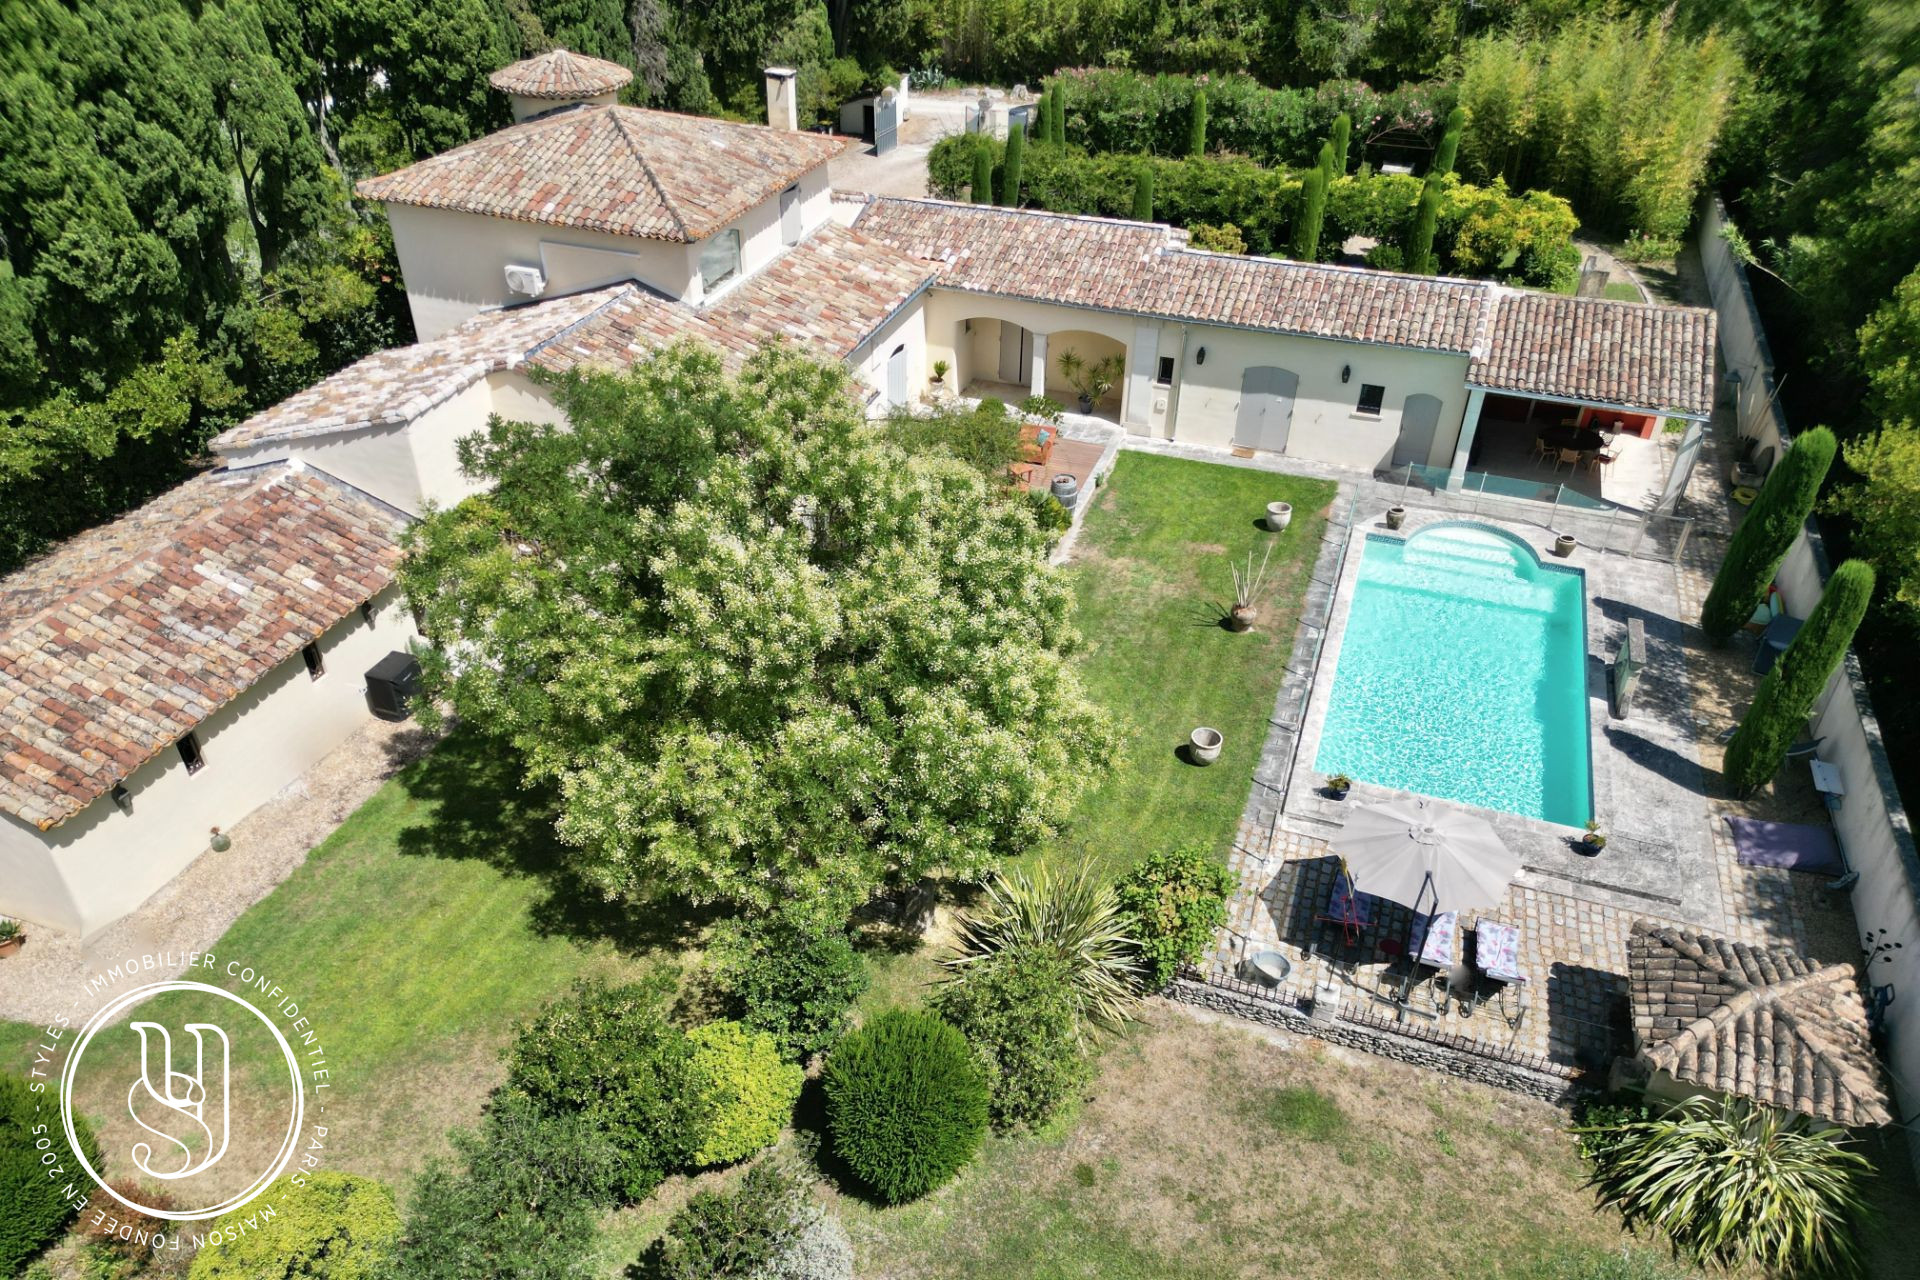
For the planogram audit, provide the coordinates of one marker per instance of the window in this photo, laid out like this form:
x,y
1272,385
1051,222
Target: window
x,y
1165,376
1371,398
719,260
316,666
190,753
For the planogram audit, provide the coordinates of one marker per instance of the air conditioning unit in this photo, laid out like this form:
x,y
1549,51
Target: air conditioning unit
x,y
528,280
392,685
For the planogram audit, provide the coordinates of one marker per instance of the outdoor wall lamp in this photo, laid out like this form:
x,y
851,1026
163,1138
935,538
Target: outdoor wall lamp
x,y
122,799
1200,356
1346,373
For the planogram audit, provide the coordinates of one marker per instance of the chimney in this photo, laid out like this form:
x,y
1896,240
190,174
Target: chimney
x,y
783,106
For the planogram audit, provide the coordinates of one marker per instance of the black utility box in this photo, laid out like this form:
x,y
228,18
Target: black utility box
x,y
392,684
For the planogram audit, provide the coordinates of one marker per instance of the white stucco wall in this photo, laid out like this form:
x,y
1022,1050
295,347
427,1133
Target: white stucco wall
x,y
102,863
869,361
376,460
1202,404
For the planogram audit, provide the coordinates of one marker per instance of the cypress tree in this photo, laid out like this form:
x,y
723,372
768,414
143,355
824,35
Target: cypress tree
x,y
983,173
1342,139
1059,115
1043,118
1426,219
1016,160
1197,125
1796,681
1312,213
1449,149
1764,537
1143,194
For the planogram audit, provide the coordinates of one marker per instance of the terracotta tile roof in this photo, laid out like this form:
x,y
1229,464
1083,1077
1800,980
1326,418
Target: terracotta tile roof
x,y
1584,349
621,170
400,384
1763,1023
1601,352
830,294
123,639
562,75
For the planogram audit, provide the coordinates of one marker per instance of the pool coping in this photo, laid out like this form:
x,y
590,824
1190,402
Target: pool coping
x,y
1650,866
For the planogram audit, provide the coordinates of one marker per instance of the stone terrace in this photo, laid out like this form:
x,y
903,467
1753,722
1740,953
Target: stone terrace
x,y
1573,935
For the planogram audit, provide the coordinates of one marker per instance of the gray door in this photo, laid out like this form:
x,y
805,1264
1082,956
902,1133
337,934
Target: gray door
x,y
1266,408
1016,353
1418,421
897,376
886,122
790,215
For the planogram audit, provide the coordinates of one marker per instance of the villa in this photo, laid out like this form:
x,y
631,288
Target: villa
x,y
168,673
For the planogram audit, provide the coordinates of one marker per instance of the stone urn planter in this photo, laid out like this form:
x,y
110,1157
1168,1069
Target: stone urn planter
x,y
1203,745
1563,545
1066,490
1279,515
1241,617
1396,516
220,842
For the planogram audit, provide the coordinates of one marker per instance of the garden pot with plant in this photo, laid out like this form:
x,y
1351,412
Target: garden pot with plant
x,y
1203,744
1338,786
220,841
1246,585
940,368
1563,545
10,937
1396,516
1091,381
1595,840
1279,515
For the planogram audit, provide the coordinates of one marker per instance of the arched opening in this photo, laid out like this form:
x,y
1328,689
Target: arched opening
x,y
1087,372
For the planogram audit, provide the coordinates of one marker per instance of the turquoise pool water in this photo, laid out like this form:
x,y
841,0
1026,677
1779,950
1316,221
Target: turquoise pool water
x,y
1463,675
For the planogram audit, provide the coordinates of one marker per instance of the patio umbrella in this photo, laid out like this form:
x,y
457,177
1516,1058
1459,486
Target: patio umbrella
x,y
1414,851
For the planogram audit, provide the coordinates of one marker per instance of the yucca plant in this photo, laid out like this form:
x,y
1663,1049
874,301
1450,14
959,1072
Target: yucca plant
x,y
1729,1182
1073,914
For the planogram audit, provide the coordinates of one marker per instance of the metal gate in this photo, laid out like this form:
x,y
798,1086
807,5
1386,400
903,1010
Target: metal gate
x,y
886,122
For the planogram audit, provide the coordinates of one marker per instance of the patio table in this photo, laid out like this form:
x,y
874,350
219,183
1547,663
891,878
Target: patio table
x,y
1584,439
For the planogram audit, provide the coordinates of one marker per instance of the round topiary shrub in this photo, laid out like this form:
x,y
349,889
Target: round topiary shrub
x,y
337,1227
32,1213
748,1090
906,1103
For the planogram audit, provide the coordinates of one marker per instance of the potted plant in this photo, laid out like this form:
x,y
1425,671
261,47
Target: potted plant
x,y
1396,516
1563,545
940,368
10,937
1279,515
1338,786
1595,840
1246,585
1203,745
221,841
1091,381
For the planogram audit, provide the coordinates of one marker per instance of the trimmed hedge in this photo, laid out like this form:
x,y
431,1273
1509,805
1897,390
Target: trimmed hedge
x,y
1766,534
338,1227
1480,231
1174,901
906,1103
32,1214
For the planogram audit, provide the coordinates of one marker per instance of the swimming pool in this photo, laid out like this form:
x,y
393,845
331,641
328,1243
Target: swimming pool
x,y
1462,675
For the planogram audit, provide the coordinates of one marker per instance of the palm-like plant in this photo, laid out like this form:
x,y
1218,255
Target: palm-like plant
x,y
1073,914
1731,1181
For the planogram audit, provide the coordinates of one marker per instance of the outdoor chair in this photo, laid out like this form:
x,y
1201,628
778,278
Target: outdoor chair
x,y
1352,911
1569,458
1496,955
1601,459
1540,450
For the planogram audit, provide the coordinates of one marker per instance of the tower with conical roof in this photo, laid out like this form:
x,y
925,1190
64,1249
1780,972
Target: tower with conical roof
x,y
559,78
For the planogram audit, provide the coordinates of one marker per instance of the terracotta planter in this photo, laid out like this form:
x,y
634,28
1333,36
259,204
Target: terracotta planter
x,y
1203,745
1241,616
12,945
1279,515
1396,516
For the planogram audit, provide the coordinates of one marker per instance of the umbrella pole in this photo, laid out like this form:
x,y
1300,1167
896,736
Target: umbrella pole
x,y
1403,1001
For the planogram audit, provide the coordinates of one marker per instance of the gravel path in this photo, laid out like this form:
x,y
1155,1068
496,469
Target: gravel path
x,y
194,908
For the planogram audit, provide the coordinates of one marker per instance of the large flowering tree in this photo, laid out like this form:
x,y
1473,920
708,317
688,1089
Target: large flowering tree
x,y
770,661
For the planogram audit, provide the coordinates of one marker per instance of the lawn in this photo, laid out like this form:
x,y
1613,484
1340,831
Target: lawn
x,y
1150,574
415,937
